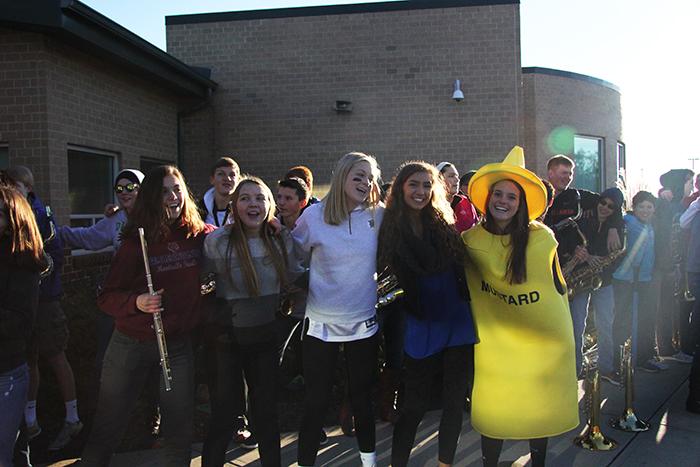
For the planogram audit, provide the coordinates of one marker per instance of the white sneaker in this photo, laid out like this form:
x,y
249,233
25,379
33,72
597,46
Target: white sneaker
x,y
681,357
67,433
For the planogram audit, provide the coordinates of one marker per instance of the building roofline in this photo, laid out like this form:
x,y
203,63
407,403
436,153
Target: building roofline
x,y
532,70
87,28
329,10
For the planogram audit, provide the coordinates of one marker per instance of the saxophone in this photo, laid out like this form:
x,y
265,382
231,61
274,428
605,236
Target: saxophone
x,y
587,278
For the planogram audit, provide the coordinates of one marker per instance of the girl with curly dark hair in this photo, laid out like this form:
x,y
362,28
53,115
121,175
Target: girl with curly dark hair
x,y
168,214
418,243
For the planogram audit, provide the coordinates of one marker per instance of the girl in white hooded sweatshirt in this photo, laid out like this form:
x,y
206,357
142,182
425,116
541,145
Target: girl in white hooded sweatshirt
x,y
339,239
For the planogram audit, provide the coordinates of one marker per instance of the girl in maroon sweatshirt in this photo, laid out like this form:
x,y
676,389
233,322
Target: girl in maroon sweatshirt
x,y
175,234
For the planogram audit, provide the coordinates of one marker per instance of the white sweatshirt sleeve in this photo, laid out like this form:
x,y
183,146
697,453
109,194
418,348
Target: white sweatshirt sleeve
x,y
689,214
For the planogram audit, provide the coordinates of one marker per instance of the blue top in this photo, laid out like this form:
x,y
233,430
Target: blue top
x,y
638,263
50,288
448,317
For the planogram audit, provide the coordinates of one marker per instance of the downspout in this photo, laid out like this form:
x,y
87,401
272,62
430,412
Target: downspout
x,y
184,113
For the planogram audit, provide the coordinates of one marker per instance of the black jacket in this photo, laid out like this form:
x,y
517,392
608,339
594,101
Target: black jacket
x,y
19,296
416,257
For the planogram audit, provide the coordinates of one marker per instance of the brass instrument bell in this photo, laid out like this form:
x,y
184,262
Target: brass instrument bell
x,y
628,420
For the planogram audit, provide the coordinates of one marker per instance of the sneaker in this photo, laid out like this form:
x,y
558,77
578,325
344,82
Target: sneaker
x,y
33,431
681,357
250,443
659,363
241,435
324,437
67,433
611,378
653,366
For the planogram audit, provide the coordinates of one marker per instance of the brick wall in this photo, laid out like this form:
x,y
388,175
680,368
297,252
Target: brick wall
x,y
589,108
23,111
279,79
93,103
53,95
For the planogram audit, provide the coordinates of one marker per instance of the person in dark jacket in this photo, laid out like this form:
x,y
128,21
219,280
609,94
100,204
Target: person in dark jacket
x,y
690,221
595,231
175,234
50,338
670,245
419,244
571,203
21,260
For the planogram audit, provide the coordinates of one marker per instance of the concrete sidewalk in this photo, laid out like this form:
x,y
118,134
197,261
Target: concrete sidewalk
x,y
673,439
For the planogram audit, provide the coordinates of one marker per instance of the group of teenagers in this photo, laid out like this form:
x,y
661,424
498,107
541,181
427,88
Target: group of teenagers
x,y
484,305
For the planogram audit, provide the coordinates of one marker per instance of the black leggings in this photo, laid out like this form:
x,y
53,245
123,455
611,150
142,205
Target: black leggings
x,y
418,377
319,368
258,363
491,451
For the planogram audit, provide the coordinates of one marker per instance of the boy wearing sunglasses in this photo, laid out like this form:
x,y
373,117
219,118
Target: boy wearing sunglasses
x,y
106,232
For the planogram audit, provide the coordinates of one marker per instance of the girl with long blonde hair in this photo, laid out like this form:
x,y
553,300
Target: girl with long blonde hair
x,y
339,239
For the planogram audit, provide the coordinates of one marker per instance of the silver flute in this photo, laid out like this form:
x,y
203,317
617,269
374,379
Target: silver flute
x,y
157,320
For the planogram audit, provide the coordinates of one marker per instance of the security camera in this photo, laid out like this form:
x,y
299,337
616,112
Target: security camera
x,y
458,95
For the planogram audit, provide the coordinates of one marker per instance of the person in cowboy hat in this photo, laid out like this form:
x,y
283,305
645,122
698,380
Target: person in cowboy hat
x,y
525,376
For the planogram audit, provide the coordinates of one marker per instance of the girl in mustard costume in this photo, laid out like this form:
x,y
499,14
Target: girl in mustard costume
x,y
525,377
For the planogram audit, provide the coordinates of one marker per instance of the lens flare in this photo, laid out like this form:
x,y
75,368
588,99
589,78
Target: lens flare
x,y
561,140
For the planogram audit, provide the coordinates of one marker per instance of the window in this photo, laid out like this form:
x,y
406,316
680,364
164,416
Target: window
x,y
588,156
4,156
90,183
148,163
621,157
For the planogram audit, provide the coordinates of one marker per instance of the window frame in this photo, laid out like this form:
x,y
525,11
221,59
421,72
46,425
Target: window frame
x,y
601,159
93,217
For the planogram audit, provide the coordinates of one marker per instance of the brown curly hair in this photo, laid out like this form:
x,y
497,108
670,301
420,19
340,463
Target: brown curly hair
x,y
437,216
148,211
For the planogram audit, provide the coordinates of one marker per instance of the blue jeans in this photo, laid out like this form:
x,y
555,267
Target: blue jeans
x,y
643,330
13,396
603,300
125,370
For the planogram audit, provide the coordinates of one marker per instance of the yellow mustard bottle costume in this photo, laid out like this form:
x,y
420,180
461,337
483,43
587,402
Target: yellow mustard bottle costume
x,y
524,366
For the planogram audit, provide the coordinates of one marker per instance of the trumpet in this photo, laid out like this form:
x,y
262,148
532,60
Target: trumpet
x,y
388,288
157,320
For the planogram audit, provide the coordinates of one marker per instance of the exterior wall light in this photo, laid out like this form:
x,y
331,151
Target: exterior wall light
x,y
343,106
458,95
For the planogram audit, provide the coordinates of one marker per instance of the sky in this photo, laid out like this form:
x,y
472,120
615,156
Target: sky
x,y
650,49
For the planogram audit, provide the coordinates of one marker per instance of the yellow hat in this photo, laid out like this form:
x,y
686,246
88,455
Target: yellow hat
x,y
512,168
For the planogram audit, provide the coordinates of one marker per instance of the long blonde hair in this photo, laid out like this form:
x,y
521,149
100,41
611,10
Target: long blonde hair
x,y
335,209
238,240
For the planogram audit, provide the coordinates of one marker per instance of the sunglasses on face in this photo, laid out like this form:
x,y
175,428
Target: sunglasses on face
x,y
129,187
606,204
